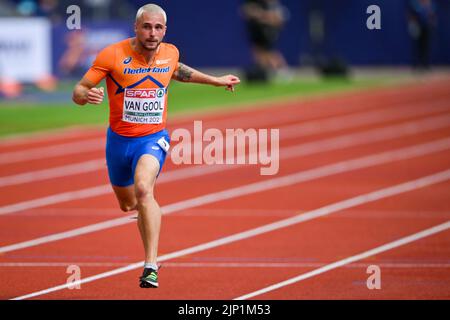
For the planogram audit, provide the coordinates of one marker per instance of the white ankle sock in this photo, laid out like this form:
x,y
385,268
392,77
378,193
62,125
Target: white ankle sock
x,y
151,265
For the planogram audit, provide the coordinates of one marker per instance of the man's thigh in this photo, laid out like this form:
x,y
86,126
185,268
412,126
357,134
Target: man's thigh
x,y
118,162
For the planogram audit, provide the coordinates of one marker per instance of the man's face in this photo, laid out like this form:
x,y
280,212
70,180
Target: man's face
x,y
150,30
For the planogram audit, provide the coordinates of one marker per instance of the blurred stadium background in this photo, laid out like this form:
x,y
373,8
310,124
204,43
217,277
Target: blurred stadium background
x,y
41,59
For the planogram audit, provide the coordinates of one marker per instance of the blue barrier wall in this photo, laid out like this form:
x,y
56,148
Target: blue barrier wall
x,y
212,33
347,35
201,26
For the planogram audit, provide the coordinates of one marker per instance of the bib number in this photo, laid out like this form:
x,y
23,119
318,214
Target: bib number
x,y
144,106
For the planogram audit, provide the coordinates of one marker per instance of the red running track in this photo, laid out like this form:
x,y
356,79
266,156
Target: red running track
x,y
335,152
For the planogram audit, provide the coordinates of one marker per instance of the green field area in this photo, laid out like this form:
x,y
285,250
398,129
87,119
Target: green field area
x,y
18,117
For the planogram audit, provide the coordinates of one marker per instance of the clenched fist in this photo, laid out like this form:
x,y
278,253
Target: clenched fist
x,y
95,95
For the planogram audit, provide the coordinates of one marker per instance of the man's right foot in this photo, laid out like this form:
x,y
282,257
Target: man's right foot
x,y
149,278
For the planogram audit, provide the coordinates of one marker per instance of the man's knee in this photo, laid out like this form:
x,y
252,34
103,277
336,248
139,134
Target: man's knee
x,y
146,172
126,198
127,207
144,192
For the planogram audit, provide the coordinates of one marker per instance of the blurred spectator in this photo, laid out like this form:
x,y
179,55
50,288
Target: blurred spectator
x,y
421,22
51,10
264,21
72,61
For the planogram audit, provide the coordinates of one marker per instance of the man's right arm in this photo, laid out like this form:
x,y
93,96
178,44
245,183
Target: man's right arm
x,y
85,92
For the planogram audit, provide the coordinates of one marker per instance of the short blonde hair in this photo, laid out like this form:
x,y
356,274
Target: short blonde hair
x,y
151,8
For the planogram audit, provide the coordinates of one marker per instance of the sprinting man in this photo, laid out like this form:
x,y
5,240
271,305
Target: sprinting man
x,y
138,71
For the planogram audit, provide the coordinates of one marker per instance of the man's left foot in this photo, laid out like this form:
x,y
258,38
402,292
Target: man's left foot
x,y
149,278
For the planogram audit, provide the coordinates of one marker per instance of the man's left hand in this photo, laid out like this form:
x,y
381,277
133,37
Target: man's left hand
x,y
229,81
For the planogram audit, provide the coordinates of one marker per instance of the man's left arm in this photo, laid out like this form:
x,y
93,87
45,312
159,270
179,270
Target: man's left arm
x,y
185,73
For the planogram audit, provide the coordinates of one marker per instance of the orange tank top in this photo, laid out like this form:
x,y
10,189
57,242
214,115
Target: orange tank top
x,y
137,91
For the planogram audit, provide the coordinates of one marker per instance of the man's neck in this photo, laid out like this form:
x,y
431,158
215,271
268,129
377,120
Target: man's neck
x,y
147,54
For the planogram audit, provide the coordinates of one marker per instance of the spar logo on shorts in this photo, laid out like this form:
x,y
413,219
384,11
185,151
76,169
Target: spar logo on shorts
x,y
145,106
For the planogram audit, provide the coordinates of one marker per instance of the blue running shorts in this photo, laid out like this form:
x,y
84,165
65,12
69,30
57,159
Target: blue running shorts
x,y
123,153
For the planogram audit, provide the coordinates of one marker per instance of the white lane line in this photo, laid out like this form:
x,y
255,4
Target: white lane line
x,y
391,265
59,264
79,132
320,212
52,151
356,120
56,198
55,172
366,137
259,119
374,135
388,246
329,124
269,184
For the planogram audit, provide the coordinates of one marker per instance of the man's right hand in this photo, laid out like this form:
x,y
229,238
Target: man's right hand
x,y
95,95
86,92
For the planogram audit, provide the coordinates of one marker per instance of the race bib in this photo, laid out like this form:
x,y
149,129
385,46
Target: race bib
x,y
145,106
